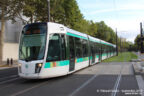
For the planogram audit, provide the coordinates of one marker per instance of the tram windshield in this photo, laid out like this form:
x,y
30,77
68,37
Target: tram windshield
x,y
33,41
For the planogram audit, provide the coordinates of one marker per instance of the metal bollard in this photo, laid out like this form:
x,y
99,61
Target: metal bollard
x,y
11,61
7,61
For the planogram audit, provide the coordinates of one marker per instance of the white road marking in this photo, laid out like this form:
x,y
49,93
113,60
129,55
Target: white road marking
x,y
28,89
9,80
116,86
6,86
83,85
117,82
9,76
140,82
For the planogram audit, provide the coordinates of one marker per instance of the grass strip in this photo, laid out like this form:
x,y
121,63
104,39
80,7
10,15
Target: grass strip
x,y
122,57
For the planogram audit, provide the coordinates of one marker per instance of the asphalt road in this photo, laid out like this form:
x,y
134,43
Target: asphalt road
x,y
104,79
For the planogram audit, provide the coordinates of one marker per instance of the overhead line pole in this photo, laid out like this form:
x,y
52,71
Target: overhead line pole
x,y
116,43
48,1
141,32
120,45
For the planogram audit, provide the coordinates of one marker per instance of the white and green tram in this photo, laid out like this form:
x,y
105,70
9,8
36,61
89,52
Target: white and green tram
x,y
49,50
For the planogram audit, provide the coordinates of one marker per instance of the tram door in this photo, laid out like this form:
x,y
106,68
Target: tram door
x,y
100,54
93,53
72,53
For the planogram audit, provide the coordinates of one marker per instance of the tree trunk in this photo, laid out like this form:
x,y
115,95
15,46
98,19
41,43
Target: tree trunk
x,y
1,37
31,19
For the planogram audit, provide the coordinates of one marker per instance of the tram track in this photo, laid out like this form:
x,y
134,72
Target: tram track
x,y
116,86
8,75
94,78
118,81
77,90
91,81
11,79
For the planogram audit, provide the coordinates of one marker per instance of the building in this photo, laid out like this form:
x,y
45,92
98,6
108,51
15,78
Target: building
x,y
11,39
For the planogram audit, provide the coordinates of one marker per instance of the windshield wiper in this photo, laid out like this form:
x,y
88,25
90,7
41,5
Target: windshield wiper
x,y
27,60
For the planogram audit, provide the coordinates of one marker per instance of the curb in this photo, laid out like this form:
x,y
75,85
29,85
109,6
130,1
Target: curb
x,y
138,70
3,68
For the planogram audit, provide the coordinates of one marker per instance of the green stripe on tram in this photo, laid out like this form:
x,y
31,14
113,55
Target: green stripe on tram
x,y
104,54
78,60
64,63
94,40
78,36
56,64
97,56
106,44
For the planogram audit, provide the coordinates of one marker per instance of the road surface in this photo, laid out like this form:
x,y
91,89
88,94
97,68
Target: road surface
x,y
103,79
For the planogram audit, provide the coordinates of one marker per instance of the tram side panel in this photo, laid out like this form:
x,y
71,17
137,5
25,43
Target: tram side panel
x,y
80,50
57,62
94,52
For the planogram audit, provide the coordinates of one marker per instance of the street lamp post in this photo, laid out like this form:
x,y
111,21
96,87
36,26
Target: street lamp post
x,y
48,2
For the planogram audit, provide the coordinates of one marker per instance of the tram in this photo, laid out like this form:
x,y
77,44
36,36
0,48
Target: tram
x,y
49,50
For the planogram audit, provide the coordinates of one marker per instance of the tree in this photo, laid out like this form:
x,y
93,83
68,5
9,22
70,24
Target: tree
x,y
41,11
72,14
92,28
66,12
137,42
9,9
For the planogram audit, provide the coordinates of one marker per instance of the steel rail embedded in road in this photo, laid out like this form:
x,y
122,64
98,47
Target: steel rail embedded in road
x,y
28,89
118,81
9,80
83,85
8,77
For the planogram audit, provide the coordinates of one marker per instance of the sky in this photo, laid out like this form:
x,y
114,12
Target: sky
x,y
125,15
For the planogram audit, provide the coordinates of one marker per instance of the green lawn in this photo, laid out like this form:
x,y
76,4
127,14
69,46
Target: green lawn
x,y
122,57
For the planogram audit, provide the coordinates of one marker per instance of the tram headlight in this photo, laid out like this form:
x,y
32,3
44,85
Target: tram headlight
x,y
38,67
19,65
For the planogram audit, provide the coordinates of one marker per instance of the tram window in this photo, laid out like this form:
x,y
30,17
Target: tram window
x,y
85,48
102,48
54,48
92,48
94,44
78,44
71,46
107,48
96,48
63,47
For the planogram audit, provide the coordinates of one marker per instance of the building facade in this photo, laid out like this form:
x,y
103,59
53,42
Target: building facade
x,y
11,39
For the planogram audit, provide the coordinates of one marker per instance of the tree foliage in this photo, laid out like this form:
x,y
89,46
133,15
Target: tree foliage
x,y
137,42
9,9
66,12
